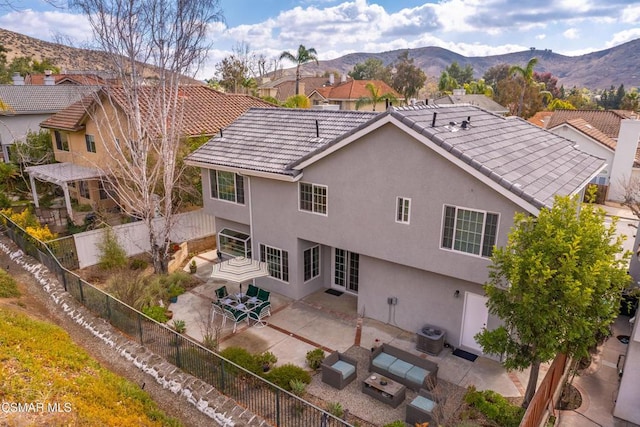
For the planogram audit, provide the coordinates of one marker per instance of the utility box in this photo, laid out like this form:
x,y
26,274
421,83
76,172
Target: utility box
x,y
430,340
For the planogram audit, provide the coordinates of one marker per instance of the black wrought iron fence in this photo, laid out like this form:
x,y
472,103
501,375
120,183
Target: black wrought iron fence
x,y
274,404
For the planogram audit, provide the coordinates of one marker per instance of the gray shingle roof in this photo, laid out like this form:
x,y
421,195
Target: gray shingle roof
x,y
269,139
530,162
41,99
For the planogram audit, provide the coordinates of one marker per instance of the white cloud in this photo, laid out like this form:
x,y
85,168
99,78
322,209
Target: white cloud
x,y
571,34
42,25
631,14
623,37
541,36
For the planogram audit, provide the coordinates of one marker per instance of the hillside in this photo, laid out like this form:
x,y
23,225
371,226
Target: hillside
x,y
65,57
597,70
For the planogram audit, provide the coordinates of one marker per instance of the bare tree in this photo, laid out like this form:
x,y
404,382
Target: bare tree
x,y
152,45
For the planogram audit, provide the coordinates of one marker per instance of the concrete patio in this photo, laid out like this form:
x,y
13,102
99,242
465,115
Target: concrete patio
x,y
330,322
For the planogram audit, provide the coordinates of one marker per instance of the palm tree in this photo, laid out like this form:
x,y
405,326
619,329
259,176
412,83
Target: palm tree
x,y
374,97
304,55
527,75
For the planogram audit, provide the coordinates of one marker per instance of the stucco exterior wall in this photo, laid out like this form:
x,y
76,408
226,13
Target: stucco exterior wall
x,y
588,145
15,128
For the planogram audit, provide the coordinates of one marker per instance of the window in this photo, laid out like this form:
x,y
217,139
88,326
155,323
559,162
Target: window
x,y
311,258
403,206
346,269
91,143
84,189
62,141
599,180
104,189
469,231
234,243
227,186
313,198
277,260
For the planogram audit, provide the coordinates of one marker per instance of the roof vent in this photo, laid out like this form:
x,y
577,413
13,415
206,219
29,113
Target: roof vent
x,y
433,121
317,129
465,124
220,132
452,123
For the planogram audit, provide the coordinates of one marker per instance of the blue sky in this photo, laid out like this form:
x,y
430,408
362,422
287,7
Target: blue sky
x,y
338,27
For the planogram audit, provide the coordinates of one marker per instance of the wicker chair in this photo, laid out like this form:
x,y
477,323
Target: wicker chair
x,y
338,370
422,409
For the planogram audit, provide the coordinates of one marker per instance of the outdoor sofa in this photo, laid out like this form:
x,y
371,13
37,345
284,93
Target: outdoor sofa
x,y
403,367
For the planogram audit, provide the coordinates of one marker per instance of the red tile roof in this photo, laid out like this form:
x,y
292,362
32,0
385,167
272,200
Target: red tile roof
x,y
607,121
540,118
587,129
206,110
355,89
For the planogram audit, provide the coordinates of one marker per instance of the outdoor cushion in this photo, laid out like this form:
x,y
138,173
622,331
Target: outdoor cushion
x,y
416,374
345,368
423,403
384,360
263,295
252,291
400,368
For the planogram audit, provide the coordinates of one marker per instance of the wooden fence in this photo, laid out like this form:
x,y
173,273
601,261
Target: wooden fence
x,y
546,394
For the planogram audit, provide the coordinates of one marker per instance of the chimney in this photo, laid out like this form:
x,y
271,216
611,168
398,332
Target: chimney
x,y
343,78
332,79
18,80
48,78
623,157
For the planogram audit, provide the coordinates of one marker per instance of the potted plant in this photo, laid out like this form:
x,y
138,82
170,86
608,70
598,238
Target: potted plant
x,y
193,267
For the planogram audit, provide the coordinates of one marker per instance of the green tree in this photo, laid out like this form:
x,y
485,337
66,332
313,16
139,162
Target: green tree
x,y
631,101
560,104
496,74
556,286
374,97
526,74
303,56
478,87
371,69
461,75
408,79
36,149
297,101
233,72
447,82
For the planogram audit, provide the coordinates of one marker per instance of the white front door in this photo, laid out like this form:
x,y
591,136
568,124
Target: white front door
x,y
474,319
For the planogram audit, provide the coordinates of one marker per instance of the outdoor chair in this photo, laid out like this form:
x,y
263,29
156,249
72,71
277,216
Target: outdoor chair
x,y
422,409
338,370
216,309
236,316
263,295
252,291
221,292
259,313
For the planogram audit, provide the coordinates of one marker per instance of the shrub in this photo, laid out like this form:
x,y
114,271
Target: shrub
x,y
266,359
4,201
29,223
283,375
494,406
157,313
242,357
335,409
138,264
395,424
8,286
315,358
297,387
112,254
180,326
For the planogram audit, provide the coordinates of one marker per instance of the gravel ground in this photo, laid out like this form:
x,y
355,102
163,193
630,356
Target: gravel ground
x,y
37,303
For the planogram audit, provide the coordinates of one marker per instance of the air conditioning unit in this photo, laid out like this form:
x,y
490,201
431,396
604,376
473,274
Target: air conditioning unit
x,y
430,340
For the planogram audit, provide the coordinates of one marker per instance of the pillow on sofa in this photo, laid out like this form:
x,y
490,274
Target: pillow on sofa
x,y
416,375
383,361
345,368
400,368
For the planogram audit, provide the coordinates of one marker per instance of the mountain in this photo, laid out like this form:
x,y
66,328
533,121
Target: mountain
x,y
64,57
597,70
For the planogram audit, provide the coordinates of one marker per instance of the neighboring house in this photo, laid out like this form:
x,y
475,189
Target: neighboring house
x,y
400,208
611,135
30,105
460,96
100,78
83,151
347,94
285,87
